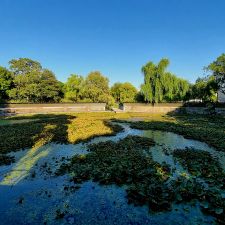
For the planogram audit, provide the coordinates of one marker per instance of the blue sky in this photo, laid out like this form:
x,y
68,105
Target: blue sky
x,y
116,37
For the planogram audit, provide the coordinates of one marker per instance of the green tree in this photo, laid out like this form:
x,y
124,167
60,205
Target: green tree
x,y
74,88
48,88
124,92
160,85
96,87
205,89
24,66
218,69
6,83
32,83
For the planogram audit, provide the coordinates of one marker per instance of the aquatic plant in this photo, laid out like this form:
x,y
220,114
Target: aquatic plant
x,y
6,159
199,127
208,181
65,129
125,163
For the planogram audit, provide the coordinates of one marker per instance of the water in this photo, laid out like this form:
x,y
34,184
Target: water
x,y
31,194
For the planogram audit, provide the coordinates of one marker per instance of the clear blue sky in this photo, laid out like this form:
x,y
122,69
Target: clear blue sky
x,y
115,37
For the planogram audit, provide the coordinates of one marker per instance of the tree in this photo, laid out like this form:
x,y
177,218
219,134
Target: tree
x,y
96,87
124,92
24,66
218,69
6,82
48,88
205,89
74,88
32,83
160,85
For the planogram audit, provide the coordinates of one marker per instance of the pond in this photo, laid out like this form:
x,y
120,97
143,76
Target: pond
x,y
30,193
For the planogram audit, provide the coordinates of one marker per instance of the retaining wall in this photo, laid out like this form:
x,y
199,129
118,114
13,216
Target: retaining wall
x,y
168,108
149,108
51,108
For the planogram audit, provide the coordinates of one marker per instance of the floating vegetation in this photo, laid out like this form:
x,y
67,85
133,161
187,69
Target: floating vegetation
x,y
202,164
60,214
6,159
209,181
125,163
210,130
62,129
130,163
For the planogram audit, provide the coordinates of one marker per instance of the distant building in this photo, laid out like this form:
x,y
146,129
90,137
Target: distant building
x,y
221,96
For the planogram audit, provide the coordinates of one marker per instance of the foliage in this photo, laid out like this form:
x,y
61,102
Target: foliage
x,y
124,92
32,83
204,128
160,85
6,82
27,81
205,89
24,66
201,164
218,69
96,87
124,163
74,88
129,163
70,128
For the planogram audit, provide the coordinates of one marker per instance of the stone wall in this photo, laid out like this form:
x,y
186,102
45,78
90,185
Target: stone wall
x,y
149,108
51,108
168,108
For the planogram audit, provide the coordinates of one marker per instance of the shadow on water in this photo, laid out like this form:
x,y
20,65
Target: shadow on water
x,y
37,131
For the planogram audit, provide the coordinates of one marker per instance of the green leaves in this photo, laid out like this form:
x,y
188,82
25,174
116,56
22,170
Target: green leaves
x,y
124,92
32,83
160,85
218,69
6,83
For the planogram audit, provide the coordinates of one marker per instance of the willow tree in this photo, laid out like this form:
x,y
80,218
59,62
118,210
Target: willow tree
x,y
152,88
160,85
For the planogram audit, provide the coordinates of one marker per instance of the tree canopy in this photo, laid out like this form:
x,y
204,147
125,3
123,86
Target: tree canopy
x,y
218,69
6,83
205,89
27,81
96,87
124,92
74,88
160,85
32,83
